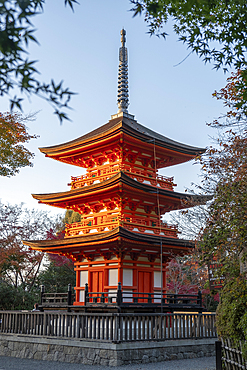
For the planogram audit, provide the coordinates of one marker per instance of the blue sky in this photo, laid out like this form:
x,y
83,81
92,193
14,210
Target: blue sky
x,y
81,48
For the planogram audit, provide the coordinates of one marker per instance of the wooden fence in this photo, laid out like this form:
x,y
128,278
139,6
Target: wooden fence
x,y
231,356
115,327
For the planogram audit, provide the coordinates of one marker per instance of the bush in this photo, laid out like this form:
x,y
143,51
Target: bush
x,y
12,298
231,314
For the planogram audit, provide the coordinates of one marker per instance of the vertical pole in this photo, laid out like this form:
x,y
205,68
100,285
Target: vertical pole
x,y
199,299
119,295
218,350
69,301
42,291
161,275
86,294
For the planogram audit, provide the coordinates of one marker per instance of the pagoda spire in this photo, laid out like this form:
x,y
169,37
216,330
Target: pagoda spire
x,y
123,92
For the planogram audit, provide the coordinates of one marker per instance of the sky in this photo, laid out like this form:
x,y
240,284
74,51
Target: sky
x,y
81,48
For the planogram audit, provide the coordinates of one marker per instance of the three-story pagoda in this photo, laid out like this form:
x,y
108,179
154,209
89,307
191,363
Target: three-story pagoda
x,y
121,200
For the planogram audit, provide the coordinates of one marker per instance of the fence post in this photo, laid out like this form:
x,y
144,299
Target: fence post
x,y
199,298
218,351
69,296
119,295
86,294
42,292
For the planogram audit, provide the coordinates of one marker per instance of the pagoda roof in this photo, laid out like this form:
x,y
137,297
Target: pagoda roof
x,y
58,199
117,125
102,240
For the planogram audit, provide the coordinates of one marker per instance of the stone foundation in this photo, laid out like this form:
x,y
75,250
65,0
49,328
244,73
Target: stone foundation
x,y
100,352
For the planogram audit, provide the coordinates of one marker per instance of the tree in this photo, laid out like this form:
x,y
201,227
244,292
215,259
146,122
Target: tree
x,y
71,216
215,30
13,134
202,25
231,315
17,71
225,234
182,277
20,265
59,270
15,298
58,273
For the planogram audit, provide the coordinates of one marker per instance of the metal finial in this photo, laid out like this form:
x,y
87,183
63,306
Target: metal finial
x,y
123,38
123,93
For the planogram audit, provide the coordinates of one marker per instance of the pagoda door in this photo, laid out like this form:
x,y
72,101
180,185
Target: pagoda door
x,y
144,283
96,281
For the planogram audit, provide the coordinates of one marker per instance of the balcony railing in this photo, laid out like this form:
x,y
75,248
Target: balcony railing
x,y
108,223
105,173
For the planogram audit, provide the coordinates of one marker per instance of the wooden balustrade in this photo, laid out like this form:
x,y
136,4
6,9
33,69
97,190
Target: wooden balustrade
x,y
114,327
98,224
102,174
105,223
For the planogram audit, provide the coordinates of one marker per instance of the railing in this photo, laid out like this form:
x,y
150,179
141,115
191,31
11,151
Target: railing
x,y
142,224
98,224
102,174
89,178
123,299
230,354
112,327
56,300
104,223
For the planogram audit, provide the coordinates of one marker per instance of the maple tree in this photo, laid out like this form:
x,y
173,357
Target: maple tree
x,y
215,30
20,265
18,73
225,234
58,270
221,227
13,134
181,277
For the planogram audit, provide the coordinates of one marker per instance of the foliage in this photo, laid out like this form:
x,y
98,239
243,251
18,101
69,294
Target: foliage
x,y
184,275
59,270
190,221
225,234
17,71
13,133
72,216
20,265
57,276
231,315
234,98
16,298
215,30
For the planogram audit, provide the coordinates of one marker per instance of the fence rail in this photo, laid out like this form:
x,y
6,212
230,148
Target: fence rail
x,y
232,355
125,299
113,327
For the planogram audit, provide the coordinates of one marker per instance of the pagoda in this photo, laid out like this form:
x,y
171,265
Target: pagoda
x,y
121,199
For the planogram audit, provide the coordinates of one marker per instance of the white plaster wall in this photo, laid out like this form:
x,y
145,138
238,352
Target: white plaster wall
x,y
81,296
127,277
113,276
83,278
157,279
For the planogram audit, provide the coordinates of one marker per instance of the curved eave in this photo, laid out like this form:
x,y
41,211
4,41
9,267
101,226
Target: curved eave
x,y
74,243
118,125
110,183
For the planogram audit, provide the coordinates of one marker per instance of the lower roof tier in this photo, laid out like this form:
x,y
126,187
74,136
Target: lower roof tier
x,y
118,242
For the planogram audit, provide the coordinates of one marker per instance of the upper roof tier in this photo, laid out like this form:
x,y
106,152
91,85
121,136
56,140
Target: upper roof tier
x,y
122,132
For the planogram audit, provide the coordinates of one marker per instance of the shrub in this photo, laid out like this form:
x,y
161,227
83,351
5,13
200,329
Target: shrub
x,y
231,314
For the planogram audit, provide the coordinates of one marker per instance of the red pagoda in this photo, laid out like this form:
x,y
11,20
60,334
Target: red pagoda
x,y
121,200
